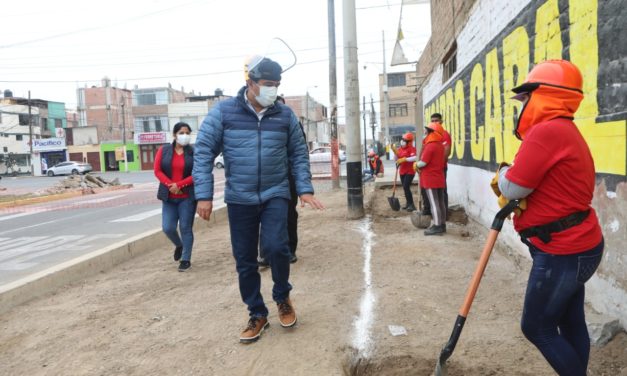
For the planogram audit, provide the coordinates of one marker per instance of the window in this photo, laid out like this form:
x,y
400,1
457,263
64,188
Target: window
x,y
6,149
18,137
449,63
396,79
158,125
145,99
146,126
398,109
23,119
130,157
58,123
192,121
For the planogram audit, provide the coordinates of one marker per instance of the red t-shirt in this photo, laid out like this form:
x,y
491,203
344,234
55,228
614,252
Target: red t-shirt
x,y
556,162
432,175
406,168
178,166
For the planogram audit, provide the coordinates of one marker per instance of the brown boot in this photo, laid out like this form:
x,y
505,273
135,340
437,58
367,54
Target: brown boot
x,y
287,315
256,326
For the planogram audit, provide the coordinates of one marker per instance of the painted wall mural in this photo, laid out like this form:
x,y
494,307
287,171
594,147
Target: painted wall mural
x,y
476,103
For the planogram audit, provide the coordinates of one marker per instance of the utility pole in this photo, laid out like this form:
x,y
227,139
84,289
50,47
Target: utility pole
x,y
124,136
30,136
386,105
365,133
351,101
335,147
373,121
307,115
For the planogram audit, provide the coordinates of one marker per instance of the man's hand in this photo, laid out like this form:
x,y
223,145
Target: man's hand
x,y
308,198
401,160
522,205
204,209
494,183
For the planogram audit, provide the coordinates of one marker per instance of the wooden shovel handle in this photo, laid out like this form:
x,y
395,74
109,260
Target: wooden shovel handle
x,y
476,278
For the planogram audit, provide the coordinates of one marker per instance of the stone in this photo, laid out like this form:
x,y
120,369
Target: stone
x,y
602,328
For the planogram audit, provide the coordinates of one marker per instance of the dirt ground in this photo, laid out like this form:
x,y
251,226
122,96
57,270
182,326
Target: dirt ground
x,y
145,318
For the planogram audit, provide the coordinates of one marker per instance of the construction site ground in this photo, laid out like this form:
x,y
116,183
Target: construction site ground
x,y
145,318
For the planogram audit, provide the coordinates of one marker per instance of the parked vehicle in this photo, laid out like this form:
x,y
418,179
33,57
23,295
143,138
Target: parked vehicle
x,y
219,161
323,154
69,167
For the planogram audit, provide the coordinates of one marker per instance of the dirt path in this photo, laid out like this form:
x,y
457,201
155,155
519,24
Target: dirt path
x,y
145,318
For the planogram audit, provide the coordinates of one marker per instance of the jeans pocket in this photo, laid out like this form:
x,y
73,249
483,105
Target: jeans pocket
x,y
586,266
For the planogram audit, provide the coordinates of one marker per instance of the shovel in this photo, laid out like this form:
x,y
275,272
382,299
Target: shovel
x,y
394,203
497,225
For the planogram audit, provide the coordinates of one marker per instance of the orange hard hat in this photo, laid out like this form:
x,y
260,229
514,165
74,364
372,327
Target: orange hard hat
x,y
409,137
371,153
559,73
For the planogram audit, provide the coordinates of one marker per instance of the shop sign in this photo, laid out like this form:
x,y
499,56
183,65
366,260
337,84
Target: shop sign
x,y
48,144
152,138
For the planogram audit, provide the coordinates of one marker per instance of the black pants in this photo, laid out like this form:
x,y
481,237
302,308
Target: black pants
x,y
292,220
426,206
406,181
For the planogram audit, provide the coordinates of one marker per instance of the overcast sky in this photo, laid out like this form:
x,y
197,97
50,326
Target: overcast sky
x,y
53,47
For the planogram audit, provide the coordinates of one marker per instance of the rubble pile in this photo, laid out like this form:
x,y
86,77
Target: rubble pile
x,y
87,183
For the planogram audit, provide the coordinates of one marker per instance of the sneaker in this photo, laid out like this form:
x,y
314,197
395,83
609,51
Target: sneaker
x,y
287,315
178,251
256,326
184,266
410,208
293,258
435,230
262,262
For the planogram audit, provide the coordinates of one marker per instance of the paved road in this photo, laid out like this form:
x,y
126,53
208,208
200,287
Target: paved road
x,y
35,237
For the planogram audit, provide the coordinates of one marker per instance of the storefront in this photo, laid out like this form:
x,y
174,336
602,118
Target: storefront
x,y
48,152
149,143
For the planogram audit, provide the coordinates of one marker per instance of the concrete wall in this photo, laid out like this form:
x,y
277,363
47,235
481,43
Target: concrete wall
x,y
498,42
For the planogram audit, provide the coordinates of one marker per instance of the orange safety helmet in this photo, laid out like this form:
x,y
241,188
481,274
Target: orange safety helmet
x,y
409,137
371,153
553,88
436,135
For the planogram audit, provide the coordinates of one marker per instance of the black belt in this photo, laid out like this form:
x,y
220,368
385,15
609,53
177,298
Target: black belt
x,y
543,232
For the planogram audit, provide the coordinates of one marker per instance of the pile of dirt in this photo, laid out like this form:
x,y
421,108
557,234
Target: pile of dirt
x,y
87,183
144,317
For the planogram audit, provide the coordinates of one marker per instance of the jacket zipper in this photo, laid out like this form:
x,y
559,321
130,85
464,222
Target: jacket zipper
x,y
259,160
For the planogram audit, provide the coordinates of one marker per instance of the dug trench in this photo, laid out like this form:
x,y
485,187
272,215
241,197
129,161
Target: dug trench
x,y
143,317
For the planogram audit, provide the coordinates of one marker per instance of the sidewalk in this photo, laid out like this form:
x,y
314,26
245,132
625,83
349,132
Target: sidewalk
x,y
145,318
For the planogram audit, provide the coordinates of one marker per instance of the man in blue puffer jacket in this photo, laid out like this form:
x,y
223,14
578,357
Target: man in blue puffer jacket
x,y
259,139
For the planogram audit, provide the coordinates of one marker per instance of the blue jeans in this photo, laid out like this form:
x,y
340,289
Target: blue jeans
x,y
181,212
268,221
553,316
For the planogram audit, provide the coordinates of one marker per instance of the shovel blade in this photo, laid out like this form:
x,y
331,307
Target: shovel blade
x,y
394,203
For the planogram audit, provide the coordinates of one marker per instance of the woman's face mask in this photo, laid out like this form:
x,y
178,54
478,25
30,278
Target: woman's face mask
x,y
267,95
183,139
403,143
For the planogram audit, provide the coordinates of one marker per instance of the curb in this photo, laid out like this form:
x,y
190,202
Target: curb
x,y
49,280
60,196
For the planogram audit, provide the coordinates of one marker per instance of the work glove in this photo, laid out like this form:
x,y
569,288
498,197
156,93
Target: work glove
x,y
401,160
522,205
494,183
415,167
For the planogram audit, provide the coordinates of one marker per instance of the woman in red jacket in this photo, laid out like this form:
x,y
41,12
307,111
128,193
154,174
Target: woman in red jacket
x,y
173,168
406,156
432,180
554,171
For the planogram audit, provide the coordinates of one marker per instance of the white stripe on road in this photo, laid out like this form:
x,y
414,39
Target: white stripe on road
x,y
96,200
139,217
21,214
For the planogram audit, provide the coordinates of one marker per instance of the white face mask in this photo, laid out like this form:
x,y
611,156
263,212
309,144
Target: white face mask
x,y
403,143
183,139
267,95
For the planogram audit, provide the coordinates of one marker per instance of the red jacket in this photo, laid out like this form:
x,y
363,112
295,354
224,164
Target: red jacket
x,y
432,175
406,168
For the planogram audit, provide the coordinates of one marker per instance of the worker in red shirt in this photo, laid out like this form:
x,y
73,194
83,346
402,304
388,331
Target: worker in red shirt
x,y
554,172
376,166
173,168
446,142
405,158
431,169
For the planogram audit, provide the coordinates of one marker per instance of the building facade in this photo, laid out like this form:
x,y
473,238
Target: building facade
x,y
479,50
401,109
313,117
